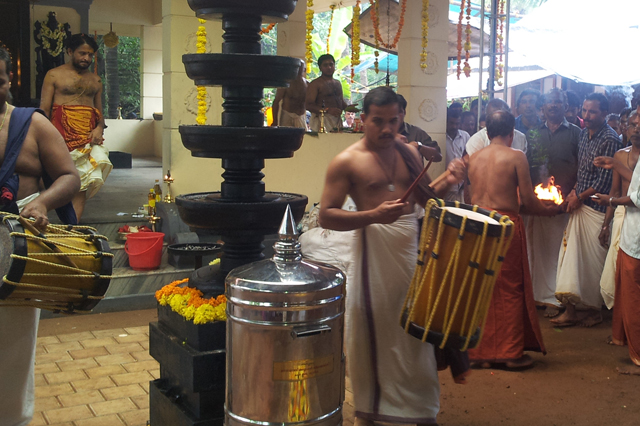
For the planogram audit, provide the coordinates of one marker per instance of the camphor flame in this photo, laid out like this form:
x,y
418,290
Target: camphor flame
x,y
549,191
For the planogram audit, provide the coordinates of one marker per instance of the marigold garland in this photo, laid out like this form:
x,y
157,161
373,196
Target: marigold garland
x,y
425,33
188,303
459,46
333,8
308,55
467,44
201,47
500,37
47,36
267,29
375,15
355,39
375,11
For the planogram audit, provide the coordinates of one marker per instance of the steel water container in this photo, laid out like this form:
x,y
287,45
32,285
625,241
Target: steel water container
x,y
285,326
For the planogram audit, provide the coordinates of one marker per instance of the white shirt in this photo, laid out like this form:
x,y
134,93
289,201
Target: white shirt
x,y
455,149
480,140
630,236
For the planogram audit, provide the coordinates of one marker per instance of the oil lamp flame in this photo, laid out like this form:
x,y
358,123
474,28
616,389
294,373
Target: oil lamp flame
x,y
549,191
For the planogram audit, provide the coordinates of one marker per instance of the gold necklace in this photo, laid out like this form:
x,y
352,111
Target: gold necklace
x,y
5,115
391,187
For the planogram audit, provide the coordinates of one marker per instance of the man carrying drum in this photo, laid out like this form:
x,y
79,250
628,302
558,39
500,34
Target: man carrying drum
x,y
394,375
30,148
498,173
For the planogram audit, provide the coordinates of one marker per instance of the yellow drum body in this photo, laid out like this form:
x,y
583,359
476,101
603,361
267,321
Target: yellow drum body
x,y
461,251
65,269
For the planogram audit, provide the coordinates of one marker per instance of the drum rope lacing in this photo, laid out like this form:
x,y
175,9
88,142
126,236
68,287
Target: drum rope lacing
x,y
427,270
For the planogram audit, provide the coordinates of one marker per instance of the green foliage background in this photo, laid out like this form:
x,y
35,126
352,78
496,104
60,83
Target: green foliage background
x,y
128,75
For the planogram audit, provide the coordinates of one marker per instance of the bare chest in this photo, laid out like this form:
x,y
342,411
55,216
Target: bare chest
x,y
79,86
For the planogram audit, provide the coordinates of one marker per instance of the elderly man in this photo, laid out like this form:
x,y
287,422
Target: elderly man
x,y
325,92
394,375
581,258
481,140
553,152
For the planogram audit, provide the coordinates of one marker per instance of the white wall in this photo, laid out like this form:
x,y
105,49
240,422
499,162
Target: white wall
x,y
140,138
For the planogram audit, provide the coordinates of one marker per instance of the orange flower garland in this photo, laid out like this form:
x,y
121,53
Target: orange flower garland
x,y
459,28
308,55
467,45
355,39
375,15
375,9
188,303
201,47
267,29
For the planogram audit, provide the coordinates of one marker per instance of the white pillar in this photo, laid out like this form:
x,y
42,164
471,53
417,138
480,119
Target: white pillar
x,y
425,89
151,80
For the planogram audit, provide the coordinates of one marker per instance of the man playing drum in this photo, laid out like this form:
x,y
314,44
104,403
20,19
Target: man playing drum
x,y
29,148
498,173
394,375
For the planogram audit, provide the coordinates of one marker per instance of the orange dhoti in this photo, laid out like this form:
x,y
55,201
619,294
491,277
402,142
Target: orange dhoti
x,y
512,322
627,329
75,123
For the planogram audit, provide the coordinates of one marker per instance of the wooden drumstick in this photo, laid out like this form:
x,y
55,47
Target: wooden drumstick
x,y
415,182
35,231
440,179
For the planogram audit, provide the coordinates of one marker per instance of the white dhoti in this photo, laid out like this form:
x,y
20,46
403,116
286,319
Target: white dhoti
x,y
581,260
544,239
291,119
393,375
608,279
93,166
331,123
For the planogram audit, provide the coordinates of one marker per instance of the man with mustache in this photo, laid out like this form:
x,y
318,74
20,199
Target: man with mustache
x,y
553,151
527,107
72,99
581,258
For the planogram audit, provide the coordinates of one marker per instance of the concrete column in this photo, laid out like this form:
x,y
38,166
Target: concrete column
x,y
425,90
151,79
291,34
179,98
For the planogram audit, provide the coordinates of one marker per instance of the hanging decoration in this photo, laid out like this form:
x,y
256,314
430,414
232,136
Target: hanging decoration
x,y
49,36
267,29
201,47
425,33
333,8
459,45
355,39
467,44
308,55
375,13
375,19
110,39
500,37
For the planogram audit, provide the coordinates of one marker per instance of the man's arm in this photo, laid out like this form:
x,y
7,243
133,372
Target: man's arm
x,y
96,134
56,161
528,198
615,164
46,96
310,98
616,190
276,105
336,188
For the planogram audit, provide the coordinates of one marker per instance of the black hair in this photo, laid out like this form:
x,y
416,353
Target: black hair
x,y
544,98
475,103
6,57
529,92
78,40
625,112
402,101
498,104
453,113
325,57
573,100
380,96
602,100
466,114
456,104
500,123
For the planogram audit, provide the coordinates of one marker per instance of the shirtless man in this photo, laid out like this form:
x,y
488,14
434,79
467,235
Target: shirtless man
x,y
292,112
498,174
39,149
376,171
72,99
325,92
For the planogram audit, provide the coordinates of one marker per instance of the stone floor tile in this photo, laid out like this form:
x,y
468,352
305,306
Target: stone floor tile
x,y
50,367
107,370
38,419
132,367
130,338
142,356
84,397
137,330
78,364
145,345
91,384
54,357
40,381
136,418
145,386
61,424
95,343
88,353
141,401
68,414
109,333
53,390
113,407
65,376
110,420
127,391
74,337
40,350
129,378
62,347
121,358
47,403
127,348
48,340
155,373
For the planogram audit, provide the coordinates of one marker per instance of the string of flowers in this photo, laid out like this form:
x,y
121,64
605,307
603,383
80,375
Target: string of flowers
x,y
267,29
355,39
333,8
500,37
375,19
48,36
375,12
459,28
201,47
467,44
188,303
425,33
308,55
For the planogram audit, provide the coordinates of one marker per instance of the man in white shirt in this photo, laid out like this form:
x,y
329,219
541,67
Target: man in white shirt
x,y
456,142
481,140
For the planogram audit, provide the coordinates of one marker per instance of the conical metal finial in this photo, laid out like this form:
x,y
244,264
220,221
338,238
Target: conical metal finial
x,y
288,229
287,248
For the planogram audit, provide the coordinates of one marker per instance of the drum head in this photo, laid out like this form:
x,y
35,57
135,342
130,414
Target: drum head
x,y
479,217
6,249
476,220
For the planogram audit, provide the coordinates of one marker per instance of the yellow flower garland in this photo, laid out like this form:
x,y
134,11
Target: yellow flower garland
x,y
355,39
333,8
188,303
57,35
201,47
308,55
425,33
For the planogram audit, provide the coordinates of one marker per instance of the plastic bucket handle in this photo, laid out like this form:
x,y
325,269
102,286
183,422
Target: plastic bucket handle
x,y
151,247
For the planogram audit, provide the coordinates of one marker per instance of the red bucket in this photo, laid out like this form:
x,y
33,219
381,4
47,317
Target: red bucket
x,y
144,250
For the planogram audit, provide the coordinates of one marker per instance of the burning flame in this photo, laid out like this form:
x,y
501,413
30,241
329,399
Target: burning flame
x,y
549,191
